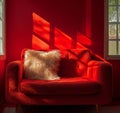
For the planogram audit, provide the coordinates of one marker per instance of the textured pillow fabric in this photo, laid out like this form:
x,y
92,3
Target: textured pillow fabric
x,y
41,65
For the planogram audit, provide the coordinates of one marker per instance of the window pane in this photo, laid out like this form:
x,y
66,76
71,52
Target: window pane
x,y
119,48
1,47
119,13
112,14
119,31
112,31
112,2
0,10
119,2
112,48
1,29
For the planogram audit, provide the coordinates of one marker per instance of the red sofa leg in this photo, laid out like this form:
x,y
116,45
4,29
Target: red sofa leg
x,y
18,109
97,108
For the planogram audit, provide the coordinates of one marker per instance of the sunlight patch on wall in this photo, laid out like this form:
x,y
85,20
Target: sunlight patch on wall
x,y
47,36
62,40
41,27
84,40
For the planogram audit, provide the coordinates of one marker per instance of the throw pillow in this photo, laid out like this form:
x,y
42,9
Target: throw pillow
x,y
41,65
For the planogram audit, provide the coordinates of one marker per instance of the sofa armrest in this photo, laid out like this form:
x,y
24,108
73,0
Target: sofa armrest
x,y
14,73
100,71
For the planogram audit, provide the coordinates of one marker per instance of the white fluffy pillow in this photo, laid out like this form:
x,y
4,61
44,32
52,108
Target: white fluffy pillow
x,y
41,65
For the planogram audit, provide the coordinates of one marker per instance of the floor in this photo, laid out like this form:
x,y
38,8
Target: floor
x,y
114,107
65,109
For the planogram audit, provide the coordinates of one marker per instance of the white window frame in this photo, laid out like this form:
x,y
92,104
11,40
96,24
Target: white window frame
x,y
2,37
106,29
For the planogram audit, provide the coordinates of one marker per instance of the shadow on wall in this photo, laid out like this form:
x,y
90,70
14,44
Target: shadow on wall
x,y
47,36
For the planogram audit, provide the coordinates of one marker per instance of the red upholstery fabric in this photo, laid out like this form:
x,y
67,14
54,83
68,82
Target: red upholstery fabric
x,y
64,86
85,79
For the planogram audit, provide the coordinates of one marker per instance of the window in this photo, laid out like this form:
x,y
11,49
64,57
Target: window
x,y
112,8
1,27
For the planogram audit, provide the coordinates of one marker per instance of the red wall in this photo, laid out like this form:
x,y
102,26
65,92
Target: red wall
x,y
116,78
76,18
66,15
69,16
18,27
2,86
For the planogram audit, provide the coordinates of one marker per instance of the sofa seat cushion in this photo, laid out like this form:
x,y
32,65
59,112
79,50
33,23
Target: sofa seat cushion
x,y
64,86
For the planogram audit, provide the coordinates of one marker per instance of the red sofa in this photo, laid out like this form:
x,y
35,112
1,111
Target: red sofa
x,y
88,82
